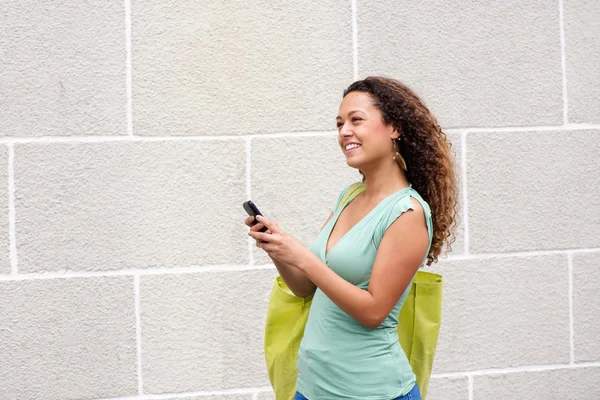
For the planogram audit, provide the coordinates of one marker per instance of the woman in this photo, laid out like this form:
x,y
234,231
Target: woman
x,y
363,261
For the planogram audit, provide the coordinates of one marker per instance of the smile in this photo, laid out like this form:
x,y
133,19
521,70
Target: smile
x,y
351,147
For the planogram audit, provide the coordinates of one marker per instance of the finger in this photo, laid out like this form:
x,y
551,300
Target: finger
x,y
256,227
264,245
261,236
250,221
271,225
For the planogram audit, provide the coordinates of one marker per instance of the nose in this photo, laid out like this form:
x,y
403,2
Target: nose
x,y
345,131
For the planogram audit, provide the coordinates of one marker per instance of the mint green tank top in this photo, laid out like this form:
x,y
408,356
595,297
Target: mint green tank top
x,y
338,357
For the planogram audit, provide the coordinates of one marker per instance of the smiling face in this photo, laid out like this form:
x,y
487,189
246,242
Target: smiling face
x,y
363,136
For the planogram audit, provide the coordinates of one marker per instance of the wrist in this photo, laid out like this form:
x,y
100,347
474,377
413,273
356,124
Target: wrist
x,y
305,262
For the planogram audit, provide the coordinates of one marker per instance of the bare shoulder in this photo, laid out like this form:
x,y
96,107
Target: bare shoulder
x,y
400,253
411,224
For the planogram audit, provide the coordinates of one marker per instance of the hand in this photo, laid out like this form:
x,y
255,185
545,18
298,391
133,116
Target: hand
x,y
278,244
254,225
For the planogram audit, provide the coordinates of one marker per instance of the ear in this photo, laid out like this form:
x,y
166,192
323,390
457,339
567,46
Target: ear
x,y
395,134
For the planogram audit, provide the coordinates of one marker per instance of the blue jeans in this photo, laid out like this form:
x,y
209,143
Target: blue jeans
x,y
414,394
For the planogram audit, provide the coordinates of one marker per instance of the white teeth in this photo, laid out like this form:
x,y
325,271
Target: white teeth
x,y
352,146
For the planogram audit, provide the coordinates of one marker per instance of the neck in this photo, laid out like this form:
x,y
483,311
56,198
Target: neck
x,y
384,179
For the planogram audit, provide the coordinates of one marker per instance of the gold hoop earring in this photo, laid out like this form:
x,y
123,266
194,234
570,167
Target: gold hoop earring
x,y
398,157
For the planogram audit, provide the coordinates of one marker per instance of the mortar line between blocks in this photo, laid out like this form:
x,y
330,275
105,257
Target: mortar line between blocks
x,y
571,320
248,151
470,386
138,332
531,253
515,370
134,271
12,230
132,138
354,39
128,67
245,267
563,61
184,395
255,396
550,128
464,187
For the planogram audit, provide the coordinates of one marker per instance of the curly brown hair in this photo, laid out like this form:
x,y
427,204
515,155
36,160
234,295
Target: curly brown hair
x,y
426,151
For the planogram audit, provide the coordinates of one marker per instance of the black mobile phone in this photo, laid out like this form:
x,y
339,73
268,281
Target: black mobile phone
x,y
253,211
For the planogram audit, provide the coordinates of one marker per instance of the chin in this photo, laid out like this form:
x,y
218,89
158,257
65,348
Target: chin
x,y
355,163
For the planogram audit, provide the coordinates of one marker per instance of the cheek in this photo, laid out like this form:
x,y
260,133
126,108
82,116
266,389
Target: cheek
x,y
375,135
370,129
380,143
379,131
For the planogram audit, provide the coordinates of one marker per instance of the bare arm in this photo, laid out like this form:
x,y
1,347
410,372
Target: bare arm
x,y
400,254
295,279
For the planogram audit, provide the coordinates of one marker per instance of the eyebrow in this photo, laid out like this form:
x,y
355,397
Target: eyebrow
x,y
349,114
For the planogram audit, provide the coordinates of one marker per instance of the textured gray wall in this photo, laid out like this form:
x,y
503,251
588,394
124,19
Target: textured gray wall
x,y
131,132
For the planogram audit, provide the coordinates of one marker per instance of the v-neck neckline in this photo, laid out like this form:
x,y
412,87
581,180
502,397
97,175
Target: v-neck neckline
x,y
339,213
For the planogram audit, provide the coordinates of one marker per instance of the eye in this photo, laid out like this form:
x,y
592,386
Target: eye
x,y
354,120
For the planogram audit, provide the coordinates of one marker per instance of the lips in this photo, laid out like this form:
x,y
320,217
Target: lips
x,y
350,147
